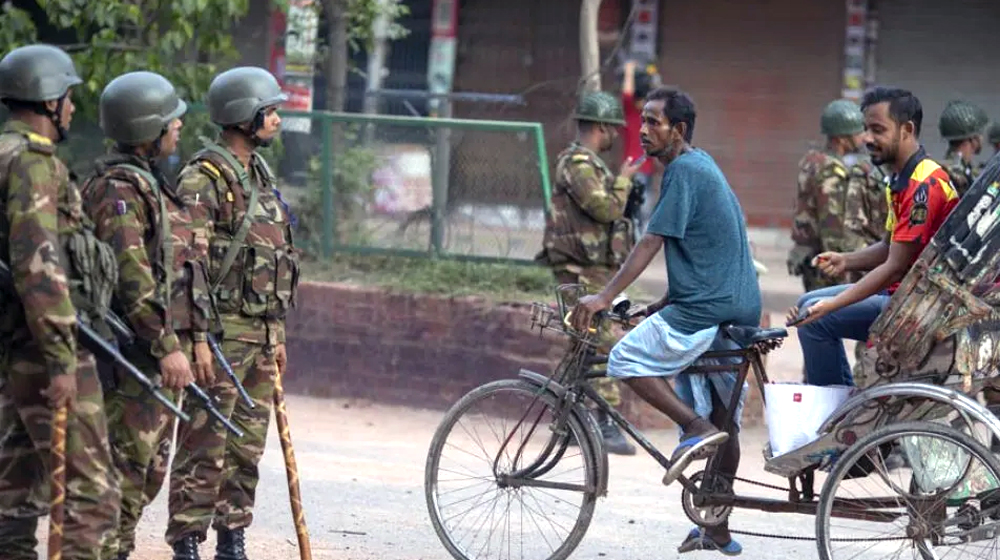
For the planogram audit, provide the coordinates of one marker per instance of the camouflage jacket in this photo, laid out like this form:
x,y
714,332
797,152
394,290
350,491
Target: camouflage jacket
x,y
819,207
127,207
586,225
41,206
255,293
866,208
962,174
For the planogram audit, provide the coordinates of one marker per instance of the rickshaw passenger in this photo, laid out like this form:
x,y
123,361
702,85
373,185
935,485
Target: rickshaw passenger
x,y
921,196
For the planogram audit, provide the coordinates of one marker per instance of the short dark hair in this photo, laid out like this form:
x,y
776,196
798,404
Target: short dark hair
x,y
903,105
677,107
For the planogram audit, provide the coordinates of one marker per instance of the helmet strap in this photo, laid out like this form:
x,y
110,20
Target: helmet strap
x,y
157,148
56,117
42,109
255,126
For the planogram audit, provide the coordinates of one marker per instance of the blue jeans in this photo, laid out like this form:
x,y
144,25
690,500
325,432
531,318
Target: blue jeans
x,y
823,340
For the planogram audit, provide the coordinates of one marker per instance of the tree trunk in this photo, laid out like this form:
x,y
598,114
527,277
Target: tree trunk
x,y
590,51
336,99
336,60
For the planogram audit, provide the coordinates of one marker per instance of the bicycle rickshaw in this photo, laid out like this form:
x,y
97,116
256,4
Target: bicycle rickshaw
x,y
933,351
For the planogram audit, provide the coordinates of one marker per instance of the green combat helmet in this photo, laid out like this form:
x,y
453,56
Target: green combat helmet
x,y
37,73
600,107
137,107
842,118
237,95
993,133
961,120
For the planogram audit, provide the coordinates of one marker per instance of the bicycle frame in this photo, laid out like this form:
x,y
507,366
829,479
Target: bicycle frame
x,y
570,384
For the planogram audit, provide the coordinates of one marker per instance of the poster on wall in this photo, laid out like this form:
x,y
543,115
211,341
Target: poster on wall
x,y
856,32
298,62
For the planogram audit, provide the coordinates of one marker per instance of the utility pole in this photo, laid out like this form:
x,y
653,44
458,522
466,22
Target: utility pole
x,y
440,72
376,58
590,51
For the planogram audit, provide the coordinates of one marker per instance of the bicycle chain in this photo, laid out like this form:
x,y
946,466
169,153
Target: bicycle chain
x,y
761,484
795,537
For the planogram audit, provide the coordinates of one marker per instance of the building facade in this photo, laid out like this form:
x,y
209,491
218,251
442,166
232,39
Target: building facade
x,y
760,72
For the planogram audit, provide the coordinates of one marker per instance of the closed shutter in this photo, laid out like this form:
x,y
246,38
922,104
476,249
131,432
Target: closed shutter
x,y
760,74
940,51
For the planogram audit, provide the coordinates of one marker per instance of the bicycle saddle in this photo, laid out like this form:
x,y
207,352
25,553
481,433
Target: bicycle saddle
x,y
747,336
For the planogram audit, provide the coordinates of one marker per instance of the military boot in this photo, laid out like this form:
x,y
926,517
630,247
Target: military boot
x,y
231,545
186,548
614,439
122,556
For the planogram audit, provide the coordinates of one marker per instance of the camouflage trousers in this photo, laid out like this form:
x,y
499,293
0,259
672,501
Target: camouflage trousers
x,y
213,480
140,431
595,278
25,428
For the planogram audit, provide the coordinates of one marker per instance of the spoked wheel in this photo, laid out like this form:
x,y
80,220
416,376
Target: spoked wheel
x,y
938,502
502,482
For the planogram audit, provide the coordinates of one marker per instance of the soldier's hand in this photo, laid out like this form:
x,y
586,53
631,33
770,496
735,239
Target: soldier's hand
x,y
631,167
204,364
61,390
830,263
281,357
175,369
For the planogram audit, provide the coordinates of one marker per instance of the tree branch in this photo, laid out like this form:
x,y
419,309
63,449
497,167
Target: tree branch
x,y
120,47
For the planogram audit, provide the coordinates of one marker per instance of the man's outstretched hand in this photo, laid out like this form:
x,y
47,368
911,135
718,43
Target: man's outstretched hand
x,y
796,317
585,309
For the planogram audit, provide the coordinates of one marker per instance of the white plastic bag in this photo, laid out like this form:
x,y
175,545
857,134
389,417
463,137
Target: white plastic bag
x,y
794,412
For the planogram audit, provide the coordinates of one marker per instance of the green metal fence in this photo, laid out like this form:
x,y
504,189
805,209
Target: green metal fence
x,y
409,185
470,189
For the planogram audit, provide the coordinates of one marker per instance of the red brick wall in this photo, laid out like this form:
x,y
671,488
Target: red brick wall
x,y
419,351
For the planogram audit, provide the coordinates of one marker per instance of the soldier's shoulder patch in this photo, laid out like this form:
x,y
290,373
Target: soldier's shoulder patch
x,y
838,168
210,169
40,144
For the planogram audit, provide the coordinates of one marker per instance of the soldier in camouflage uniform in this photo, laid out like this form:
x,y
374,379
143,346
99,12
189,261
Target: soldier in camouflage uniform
x,y
254,272
962,124
587,236
60,270
993,137
822,194
866,206
159,250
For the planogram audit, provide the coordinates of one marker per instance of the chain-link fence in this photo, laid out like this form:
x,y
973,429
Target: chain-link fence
x,y
367,183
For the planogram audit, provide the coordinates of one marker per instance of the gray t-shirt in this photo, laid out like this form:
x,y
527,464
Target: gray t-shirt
x,y
710,272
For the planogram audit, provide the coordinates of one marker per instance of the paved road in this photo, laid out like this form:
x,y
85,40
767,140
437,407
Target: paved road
x,y
362,468
362,479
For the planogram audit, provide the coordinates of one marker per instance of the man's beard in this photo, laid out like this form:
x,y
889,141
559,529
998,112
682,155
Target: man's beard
x,y
887,156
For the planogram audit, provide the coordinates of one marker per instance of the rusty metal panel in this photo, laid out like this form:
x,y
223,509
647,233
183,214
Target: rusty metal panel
x,y
951,291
